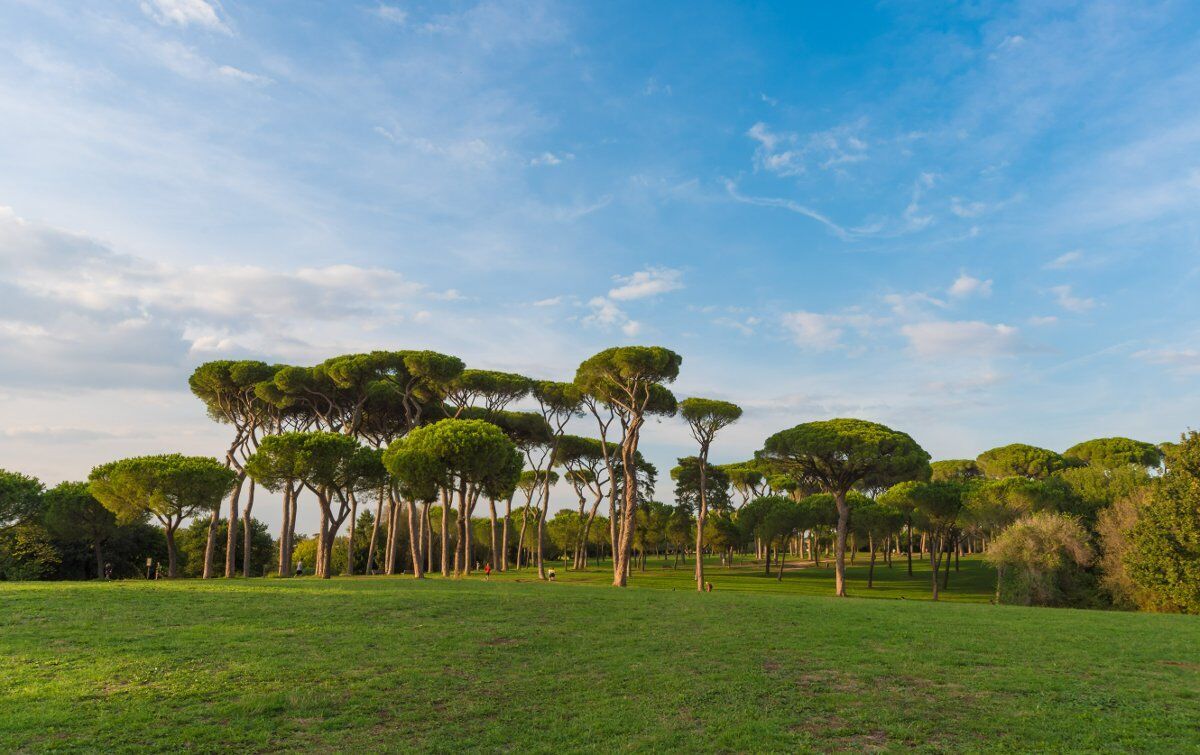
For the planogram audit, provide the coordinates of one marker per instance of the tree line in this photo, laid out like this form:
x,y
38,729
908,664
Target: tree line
x,y
400,450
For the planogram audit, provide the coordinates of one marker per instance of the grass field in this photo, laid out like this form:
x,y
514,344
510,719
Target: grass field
x,y
440,665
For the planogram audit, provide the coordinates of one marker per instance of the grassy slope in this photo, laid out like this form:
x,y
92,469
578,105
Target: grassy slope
x,y
439,665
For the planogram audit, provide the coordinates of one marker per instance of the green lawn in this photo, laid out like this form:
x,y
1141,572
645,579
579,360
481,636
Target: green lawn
x,y
974,582
440,665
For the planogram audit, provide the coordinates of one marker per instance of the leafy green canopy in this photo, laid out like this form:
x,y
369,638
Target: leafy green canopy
x,y
1114,453
631,377
955,469
171,487
1164,553
20,497
1020,460
687,485
836,454
453,452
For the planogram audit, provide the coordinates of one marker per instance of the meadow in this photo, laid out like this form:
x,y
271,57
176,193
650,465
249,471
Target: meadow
x,y
391,663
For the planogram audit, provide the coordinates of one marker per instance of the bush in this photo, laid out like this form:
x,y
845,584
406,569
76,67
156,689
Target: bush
x,y
1163,557
26,553
1039,561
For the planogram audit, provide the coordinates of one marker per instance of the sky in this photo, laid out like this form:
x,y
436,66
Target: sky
x,y
975,222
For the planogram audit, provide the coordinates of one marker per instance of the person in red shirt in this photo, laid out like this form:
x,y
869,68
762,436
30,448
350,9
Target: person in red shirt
x,y
487,572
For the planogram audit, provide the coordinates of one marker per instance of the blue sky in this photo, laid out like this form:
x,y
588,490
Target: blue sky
x,y
976,222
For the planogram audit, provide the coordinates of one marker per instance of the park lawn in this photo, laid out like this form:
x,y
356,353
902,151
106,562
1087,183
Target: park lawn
x,y
438,665
973,582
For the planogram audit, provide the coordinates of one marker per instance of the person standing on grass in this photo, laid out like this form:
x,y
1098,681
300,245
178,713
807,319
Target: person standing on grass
x,y
299,568
487,572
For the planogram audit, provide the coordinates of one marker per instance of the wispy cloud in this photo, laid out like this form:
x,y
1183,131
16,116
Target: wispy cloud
x,y
787,153
1064,261
391,13
967,285
1066,298
814,331
185,13
649,282
961,338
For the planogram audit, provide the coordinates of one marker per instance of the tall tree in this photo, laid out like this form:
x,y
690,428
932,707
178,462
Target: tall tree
x,y
169,487
457,456
1020,460
73,513
955,469
705,417
20,497
228,390
838,454
940,504
558,404
277,466
630,380
1115,453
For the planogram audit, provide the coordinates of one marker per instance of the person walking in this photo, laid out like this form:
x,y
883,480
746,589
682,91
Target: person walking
x,y
487,572
299,568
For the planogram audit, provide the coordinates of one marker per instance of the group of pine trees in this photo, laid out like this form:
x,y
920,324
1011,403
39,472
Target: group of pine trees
x,y
415,463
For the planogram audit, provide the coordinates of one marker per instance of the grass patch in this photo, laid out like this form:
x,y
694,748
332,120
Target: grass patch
x,y
439,665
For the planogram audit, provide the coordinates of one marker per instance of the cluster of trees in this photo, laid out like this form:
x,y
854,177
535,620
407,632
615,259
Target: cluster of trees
x,y
397,450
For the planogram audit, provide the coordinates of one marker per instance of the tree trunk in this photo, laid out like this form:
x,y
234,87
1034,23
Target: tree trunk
x,y
375,533
292,525
415,539
504,535
445,545
231,533
521,537
284,553
782,560
350,539
247,532
210,547
840,549
934,565
172,553
701,514
427,536
871,568
495,533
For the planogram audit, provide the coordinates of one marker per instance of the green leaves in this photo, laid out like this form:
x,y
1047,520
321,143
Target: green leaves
x,y
838,453
1114,453
1020,460
631,377
20,497
707,416
452,452
170,486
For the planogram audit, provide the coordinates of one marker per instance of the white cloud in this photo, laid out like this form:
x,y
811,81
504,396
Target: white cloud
x,y
965,209
1182,361
1063,261
1070,302
966,285
550,159
1043,320
391,13
813,331
649,282
184,13
787,153
606,314
961,338
552,301
240,75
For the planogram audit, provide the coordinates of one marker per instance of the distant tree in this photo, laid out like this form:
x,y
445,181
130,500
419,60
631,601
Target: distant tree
x,y
1021,460
278,465
192,541
1035,554
902,497
1115,453
838,454
746,478
955,469
876,522
558,404
169,487
20,497
72,513
1163,557
705,417
585,460
26,552
939,504
686,474
1092,488
455,456
1113,527
630,381
229,392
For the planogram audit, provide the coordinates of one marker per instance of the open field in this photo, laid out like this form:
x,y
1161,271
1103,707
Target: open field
x,y
391,663
974,582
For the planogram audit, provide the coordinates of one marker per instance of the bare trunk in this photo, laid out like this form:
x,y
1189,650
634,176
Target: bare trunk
x,y
374,533
247,532
934,565
211,546
701,514
415,540
97,548
871,569
445,545
231,533
495,533
504,535
284,553
172,553
840,549
350,539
